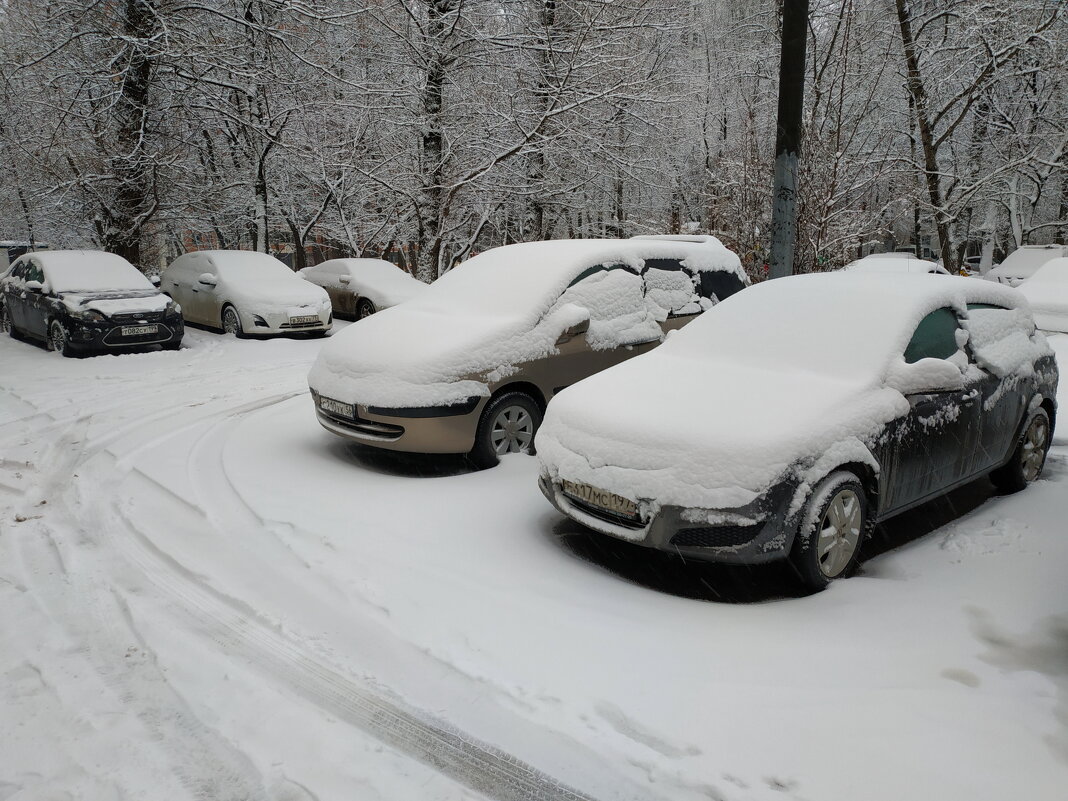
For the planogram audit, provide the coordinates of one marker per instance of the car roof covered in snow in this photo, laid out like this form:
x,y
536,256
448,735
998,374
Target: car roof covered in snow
x,y
94,270
895,263
242,264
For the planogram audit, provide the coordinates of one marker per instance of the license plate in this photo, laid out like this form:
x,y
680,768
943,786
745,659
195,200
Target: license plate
x,y
602,499
139,330
337,407
305,320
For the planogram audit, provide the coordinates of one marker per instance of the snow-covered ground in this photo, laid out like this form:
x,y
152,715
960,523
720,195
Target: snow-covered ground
x,y
204,595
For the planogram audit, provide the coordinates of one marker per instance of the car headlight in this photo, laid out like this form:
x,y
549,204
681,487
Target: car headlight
x,y
174,306
89,315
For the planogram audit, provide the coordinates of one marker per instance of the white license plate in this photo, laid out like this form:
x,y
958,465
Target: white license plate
x,y
337,407
602,499
139,330
305,320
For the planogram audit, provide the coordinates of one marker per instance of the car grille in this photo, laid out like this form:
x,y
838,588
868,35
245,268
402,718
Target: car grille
x,y
604,514
716,537
136,317
316,324
371,429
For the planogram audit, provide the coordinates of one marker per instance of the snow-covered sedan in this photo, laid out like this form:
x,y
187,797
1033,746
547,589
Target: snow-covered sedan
x,y
246,293
1047,291
799,413
1024,262
469,365
360,287
896,263
80,301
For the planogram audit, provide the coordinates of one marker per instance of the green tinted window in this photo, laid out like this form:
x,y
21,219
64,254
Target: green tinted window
x,y
935,337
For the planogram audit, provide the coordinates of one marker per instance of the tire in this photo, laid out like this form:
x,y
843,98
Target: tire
x,y
833,527
507,425
231,321
364,308
1029,455
57,339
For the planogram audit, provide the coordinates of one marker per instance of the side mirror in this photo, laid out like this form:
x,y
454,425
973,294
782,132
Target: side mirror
x,y
576,330
344,280
925,376
34,286
207,279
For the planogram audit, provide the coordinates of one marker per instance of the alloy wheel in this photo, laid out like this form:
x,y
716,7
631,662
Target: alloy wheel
x,y
839,532
1033,453
231,322
57,337
512,431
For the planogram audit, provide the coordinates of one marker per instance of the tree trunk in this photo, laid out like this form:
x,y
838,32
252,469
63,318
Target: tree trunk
x,y
930,155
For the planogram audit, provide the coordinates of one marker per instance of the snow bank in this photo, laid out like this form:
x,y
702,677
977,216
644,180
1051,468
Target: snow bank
x,y
1047,292
502,308
769,382
88,271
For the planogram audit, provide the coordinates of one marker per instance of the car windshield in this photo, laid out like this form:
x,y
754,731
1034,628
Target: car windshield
x,y
91,271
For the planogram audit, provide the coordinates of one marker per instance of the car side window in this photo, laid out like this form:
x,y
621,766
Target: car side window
x,y
935,337
670,288
614,297
717,285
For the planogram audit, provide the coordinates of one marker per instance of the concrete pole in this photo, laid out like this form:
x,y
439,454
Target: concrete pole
x,y
788,137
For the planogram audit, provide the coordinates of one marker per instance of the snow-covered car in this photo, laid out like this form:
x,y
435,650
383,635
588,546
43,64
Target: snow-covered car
x,y
1047,292
246,293
800,413
469,365
1023,262
895,263
80,301
360,287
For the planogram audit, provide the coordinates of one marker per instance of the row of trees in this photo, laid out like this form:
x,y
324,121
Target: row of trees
x,y
431,128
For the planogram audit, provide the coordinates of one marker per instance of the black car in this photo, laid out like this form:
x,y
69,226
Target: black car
x,y
83,301
787,421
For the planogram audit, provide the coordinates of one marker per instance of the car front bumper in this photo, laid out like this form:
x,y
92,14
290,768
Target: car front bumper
x,y
412,431
762,531
107,335
277,324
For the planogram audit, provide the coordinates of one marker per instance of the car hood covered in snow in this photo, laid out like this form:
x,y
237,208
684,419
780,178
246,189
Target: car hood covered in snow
x,y
118,302
788,376
274,293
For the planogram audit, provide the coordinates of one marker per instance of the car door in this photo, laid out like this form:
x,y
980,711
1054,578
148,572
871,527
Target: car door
x,y
37,303
328,276
202,304
931,448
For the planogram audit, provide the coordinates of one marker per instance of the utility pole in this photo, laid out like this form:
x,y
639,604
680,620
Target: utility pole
x,y
788,136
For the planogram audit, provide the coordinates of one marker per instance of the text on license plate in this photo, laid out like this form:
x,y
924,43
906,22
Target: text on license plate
x,y
336,407
305,320
602,499
139,330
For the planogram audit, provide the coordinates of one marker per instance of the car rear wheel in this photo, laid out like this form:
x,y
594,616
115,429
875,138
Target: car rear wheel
x,y
231,321
364,308
57,339
833,526
507,425
1028,458
6,325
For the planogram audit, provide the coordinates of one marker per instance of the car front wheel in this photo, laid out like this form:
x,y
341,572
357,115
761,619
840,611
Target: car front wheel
x,y
1028,458
231,321
832,529
57,339
507,425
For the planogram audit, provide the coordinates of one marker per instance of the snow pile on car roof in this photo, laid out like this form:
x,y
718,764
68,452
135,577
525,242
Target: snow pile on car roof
x,y
248,265
894,263
90,271
497,310
788,375
1047,291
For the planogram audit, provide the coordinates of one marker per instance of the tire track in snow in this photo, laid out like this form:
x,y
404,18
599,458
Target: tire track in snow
x,y
239,631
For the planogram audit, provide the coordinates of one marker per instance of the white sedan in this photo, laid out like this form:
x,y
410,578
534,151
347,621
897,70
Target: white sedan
x,y
361,287
1047,291
244,292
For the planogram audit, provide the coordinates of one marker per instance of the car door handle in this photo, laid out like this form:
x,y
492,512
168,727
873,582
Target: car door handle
x,y
970,397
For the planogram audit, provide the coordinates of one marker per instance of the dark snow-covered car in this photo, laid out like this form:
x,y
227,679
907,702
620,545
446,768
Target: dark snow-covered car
x,y
360,287
798,413
246,293
79,301
469,365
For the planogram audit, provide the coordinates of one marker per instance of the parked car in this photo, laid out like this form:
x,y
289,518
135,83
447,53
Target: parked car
x,y
799,413
1047,292
469,365
246,293
360,287
895,263
80,301
1023,262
